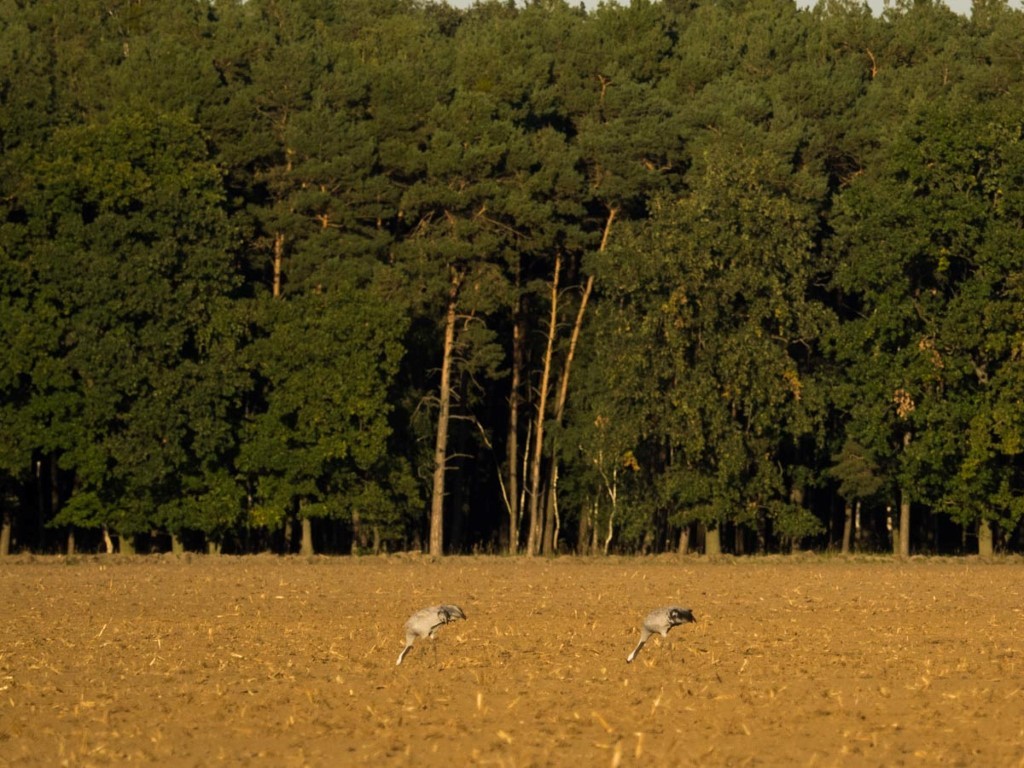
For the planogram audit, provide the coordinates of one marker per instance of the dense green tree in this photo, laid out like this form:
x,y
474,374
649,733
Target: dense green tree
x,y
320,447
914,229
124,249
323,214
26,94
720,332
710,300
27,345
964,169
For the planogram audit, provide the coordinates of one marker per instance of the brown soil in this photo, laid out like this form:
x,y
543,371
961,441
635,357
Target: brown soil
x,y
200,661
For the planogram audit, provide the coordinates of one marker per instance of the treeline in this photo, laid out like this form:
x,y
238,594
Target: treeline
x,y
313,275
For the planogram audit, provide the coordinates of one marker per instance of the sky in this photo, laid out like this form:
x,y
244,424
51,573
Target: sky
x,y
960,6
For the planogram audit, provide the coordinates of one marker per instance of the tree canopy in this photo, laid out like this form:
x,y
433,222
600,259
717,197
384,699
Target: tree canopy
x,y
726,276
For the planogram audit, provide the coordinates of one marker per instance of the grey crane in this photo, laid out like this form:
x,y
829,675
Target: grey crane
x,y
661,621
425,622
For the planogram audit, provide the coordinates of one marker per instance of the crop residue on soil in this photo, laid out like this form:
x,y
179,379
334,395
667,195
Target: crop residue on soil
x,y
285,661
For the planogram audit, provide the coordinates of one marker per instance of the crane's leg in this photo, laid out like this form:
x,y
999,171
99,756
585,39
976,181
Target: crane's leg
x,y
636,650
402,654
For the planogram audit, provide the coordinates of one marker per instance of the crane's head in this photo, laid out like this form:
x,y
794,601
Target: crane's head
x,y
449,613
679,616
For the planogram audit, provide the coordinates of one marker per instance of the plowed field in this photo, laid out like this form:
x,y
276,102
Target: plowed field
x,y
269,661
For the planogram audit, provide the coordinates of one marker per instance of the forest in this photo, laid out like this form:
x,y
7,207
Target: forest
x,y
313,276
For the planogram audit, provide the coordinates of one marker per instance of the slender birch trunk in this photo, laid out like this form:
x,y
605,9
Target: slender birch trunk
x,y
553,507
522,473
547,539
613,496
436,546
563,386
534,539
550,536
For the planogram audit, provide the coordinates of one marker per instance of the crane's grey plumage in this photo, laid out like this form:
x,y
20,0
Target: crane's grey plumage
x,y
425,622
660,622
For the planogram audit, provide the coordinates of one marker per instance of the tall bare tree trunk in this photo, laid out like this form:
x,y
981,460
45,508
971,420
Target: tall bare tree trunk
x,y
552,510
444,413
523,470
512,449
550,534
534,539
548,543
71,540
613,494
611,487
